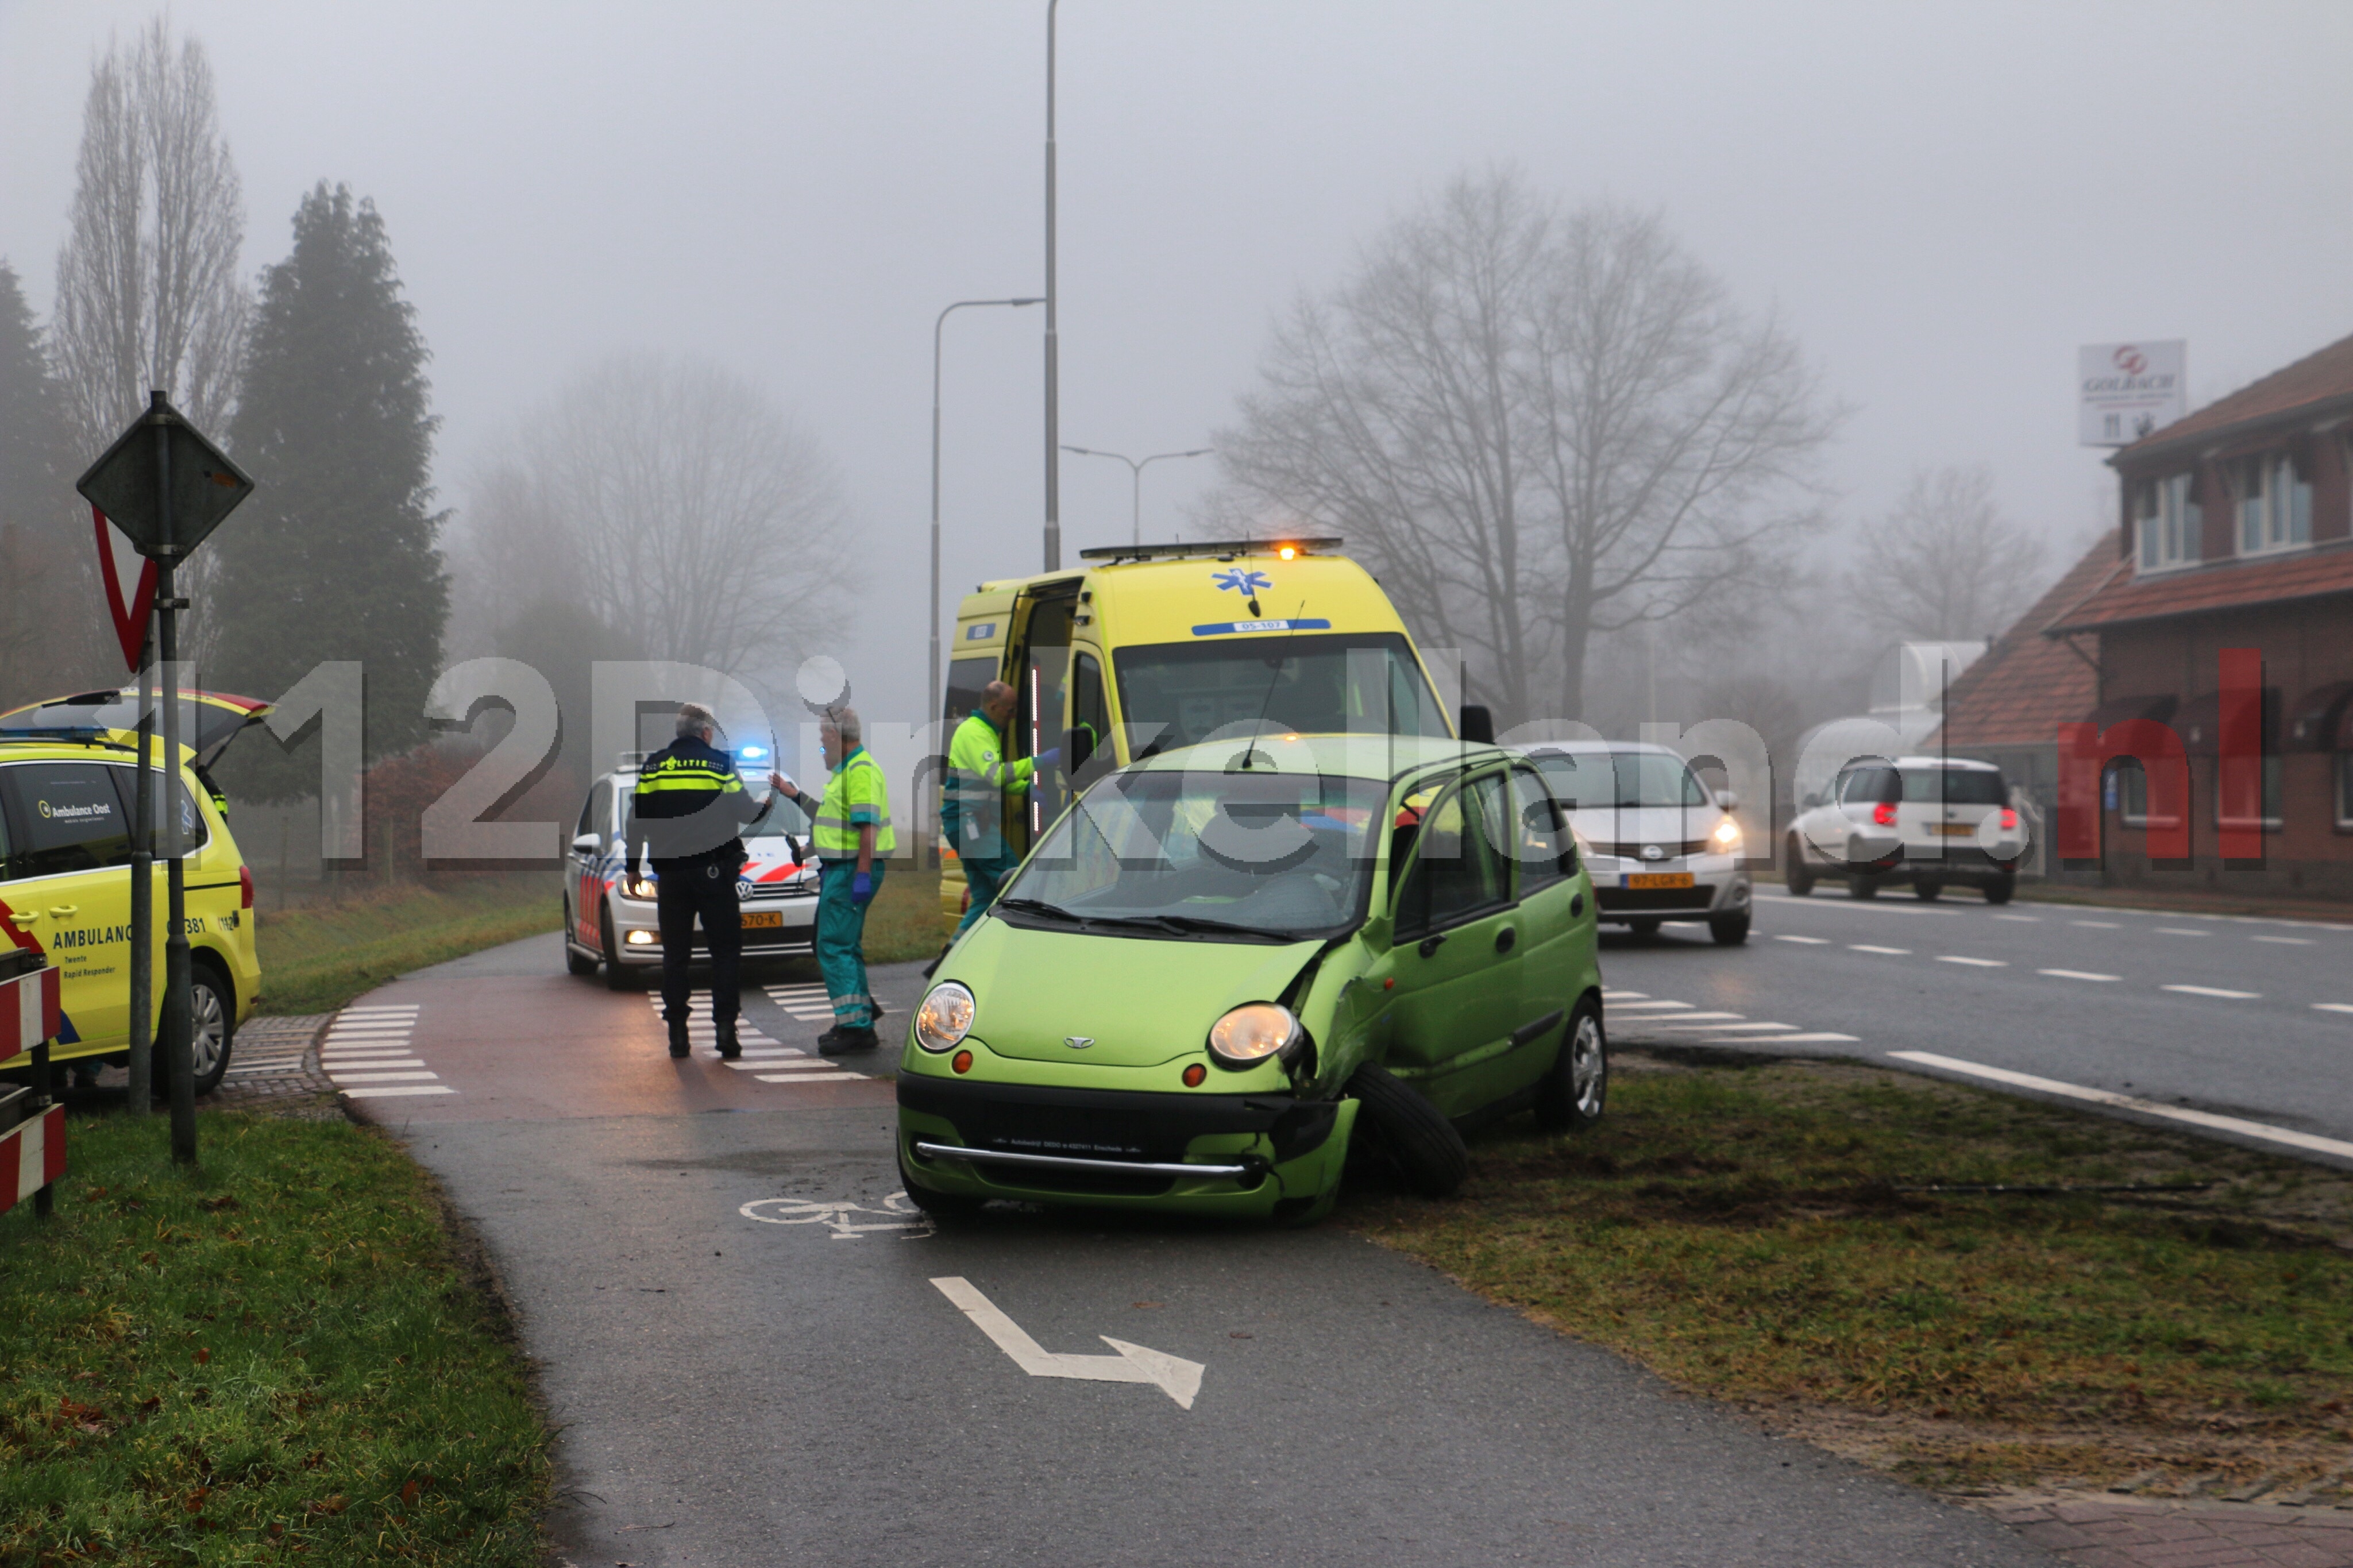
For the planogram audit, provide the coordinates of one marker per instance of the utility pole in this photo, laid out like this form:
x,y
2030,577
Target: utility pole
x,y
1053,337
1135,473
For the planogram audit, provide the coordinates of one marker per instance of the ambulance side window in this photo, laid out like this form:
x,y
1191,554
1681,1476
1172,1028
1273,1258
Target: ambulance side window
x,y
64,817
193,834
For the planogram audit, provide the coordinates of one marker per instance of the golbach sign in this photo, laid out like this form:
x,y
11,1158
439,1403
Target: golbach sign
x,y
2126,391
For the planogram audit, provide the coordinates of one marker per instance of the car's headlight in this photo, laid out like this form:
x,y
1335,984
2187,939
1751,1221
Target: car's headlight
x,y
944,1018
1253,1032
637,886
1726,837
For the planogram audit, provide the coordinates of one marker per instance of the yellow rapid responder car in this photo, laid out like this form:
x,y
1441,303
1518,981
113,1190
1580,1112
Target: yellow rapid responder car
x,y
1150,647
67,776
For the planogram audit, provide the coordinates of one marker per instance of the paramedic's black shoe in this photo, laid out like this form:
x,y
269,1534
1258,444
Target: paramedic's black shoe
x,y
728,1046
841,1041
678,1037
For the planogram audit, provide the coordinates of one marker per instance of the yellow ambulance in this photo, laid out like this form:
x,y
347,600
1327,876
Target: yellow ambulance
x,y
1147,648
68,773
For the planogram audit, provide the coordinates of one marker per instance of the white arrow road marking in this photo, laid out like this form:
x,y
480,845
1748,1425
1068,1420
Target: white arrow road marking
x,y
1177,1377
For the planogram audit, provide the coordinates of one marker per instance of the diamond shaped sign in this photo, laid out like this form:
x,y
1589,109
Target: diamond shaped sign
x,y
205,486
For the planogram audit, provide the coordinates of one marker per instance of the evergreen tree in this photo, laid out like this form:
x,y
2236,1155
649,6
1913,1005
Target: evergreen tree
x,y
336,556
50,628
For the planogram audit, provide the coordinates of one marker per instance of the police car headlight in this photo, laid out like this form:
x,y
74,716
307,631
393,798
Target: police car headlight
x,y
1253,1032
944,1018
1726,837
637,886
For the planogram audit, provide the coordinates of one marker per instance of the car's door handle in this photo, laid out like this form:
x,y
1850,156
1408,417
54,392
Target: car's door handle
x,y
61,911
1506,938
28,917
1430,944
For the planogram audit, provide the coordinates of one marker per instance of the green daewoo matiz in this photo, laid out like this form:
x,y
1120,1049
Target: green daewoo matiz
x,y
1227,963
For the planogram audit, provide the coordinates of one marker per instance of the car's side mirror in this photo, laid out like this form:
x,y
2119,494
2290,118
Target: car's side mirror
x,y
587,842
1728,800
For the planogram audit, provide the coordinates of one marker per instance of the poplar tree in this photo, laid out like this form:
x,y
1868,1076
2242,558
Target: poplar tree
x,y
49,627
336,555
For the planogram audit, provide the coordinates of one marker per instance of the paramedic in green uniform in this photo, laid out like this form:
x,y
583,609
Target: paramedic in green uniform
x,y
852,834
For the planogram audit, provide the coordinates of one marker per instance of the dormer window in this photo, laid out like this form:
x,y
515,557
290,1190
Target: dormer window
x,y
2275,504
2167,523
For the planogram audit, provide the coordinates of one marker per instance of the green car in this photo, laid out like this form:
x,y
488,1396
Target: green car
x,y
1225,964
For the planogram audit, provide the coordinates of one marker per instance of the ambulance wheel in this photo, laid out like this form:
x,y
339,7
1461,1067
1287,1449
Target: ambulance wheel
x,y
212,1024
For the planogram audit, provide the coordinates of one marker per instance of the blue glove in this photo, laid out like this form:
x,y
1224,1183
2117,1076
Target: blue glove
x,y
1050,757
861,886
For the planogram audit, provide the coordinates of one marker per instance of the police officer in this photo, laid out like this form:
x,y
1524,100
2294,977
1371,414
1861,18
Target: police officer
x,y
971,805
851,833
688,811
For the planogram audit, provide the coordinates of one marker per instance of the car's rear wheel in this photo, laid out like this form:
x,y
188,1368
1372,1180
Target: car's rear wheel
x,y
212,1029
1795,873
615,977
1927,889
944,1208
1573,1095
2002,889
1415,1134
1729,930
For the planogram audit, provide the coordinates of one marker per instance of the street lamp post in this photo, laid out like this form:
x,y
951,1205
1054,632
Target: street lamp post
x,y
1053,338
938,327
1135,471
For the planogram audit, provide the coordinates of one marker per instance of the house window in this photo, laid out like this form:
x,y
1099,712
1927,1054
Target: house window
x,y
2266,815
2345,792
2274,506
2128,796
2168,522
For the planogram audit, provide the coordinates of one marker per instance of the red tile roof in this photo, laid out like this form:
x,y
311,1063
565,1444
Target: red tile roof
x,y
2217,585
2026,685
2317,378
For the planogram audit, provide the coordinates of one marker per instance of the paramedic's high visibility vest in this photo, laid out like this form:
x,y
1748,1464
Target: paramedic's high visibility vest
x,y
855,797
972,798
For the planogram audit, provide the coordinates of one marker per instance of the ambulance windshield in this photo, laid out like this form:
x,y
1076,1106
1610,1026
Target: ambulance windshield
x,y
1175,694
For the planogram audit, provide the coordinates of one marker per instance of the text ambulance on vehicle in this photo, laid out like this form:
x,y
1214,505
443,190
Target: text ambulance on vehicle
x,y
1150,647
68,775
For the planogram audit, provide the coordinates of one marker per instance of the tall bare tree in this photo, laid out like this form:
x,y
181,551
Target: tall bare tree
x,y
148,290
682,506
1540,424
39,548
1946,564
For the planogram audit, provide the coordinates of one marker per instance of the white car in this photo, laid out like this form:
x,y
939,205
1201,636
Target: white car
x,y
609,916
1658,844
1935,822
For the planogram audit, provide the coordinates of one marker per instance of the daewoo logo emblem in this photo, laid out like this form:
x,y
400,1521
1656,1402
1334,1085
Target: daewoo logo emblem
x,y
1078,1042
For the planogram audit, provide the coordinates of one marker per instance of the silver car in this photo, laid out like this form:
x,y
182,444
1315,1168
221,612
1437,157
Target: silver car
x,y
1659,846
1932,822
609,916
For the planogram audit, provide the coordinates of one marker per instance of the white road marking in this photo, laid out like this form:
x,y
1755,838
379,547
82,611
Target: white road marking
x,y
1648,1006
2076,975
1683,1018
1862,905
400,1049
2023,920
378,1012
2098,925
1724,1028
2214,991
1814,1040
1979,963
1809,941
835,1216
815,1078
803,1064
2284,940
1890,952
2334,1007
1177,1377
1609,995
2262,1130
344,1078
340,1063
400,1033
2181,930
385,1088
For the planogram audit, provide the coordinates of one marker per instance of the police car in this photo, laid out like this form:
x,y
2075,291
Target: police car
x,y
609,916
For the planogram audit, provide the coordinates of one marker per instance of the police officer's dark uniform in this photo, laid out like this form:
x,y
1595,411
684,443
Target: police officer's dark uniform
x,y
689,810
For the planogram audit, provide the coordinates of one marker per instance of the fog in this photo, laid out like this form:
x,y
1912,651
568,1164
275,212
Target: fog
x,y
1938,202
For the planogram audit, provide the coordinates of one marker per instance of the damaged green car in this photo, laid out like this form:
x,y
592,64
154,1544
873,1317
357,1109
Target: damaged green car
x,y
1226,965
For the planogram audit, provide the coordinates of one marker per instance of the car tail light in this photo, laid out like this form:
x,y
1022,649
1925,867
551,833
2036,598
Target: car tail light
x,y
2008,818
245,887
1883,813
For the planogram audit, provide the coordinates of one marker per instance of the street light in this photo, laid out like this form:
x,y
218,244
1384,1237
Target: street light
x,y
938,326
1053,338
1135,469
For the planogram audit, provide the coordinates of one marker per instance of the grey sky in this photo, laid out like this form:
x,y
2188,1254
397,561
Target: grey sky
x,y
1942,202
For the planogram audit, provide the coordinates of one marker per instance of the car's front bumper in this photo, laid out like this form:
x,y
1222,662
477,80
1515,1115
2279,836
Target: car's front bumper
x,y
636,930
1256,1155
1719,886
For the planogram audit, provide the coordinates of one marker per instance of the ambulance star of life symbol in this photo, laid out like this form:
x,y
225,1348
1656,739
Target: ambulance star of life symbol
x,y
1244,583
1653,852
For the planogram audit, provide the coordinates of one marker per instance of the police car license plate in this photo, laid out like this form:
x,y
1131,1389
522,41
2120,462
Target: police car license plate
x,y
763,920
1658,879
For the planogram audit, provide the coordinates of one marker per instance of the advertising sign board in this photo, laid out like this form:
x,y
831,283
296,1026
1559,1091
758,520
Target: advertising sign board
x,y
2124,391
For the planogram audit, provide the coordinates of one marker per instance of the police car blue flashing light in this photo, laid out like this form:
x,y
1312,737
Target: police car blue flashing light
x,y
750,754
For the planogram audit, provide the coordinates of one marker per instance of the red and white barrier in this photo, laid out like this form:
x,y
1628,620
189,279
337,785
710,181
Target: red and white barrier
x,y
29,1011
32,1156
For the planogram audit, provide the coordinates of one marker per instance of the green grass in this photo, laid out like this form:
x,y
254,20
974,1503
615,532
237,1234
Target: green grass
x,y
1749,1231
275,1356
313,960
906,920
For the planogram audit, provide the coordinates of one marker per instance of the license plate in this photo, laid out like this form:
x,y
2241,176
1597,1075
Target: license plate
x,y
763,920
1658,880
1953,829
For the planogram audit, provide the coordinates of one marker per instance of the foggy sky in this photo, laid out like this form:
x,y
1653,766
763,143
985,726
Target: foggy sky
x,y
1941,203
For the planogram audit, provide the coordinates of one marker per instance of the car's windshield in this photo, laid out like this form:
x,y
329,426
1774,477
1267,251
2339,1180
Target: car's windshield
x,y
1175,694
1592,781
1280,853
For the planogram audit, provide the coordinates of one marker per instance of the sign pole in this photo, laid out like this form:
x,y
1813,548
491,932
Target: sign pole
x,y
175,914
142,894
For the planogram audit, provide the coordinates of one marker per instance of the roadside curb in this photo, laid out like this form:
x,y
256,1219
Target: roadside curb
x,y
274,1069
2135,1532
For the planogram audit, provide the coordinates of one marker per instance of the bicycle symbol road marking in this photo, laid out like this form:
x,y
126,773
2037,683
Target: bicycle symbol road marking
x,y
896,1215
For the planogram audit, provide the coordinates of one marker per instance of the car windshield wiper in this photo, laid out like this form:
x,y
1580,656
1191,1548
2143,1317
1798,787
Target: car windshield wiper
x,y
1040,907
1193,925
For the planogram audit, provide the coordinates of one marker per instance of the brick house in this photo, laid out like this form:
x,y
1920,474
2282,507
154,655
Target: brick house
x,y
2237,533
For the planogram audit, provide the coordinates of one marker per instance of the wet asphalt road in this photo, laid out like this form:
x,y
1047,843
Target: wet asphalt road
x,y
791,1388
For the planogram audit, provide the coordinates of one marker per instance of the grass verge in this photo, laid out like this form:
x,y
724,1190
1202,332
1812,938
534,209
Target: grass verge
x,y
906,920
1759,1233
314,959
277,1355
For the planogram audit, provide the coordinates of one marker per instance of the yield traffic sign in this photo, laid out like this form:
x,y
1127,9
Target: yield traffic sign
x,y
129,585
165,501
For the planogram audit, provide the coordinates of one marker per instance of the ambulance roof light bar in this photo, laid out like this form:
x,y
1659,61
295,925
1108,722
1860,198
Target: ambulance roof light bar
x,y
1225,548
